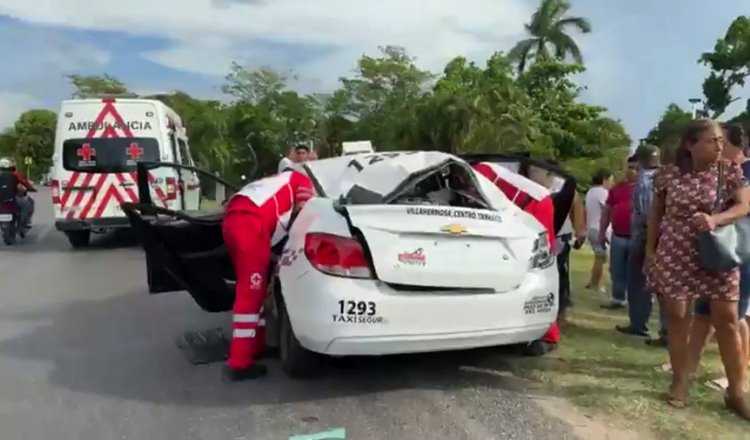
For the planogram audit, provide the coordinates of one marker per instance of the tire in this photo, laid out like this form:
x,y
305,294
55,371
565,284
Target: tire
x,y
296,361
538,348
9,233
8,238
79,239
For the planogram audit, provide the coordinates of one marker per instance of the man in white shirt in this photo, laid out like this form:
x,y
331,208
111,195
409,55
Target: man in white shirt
x,y
596,200
297,154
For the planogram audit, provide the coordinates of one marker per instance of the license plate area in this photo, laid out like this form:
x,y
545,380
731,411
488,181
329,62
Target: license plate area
x,y
6,217
457,263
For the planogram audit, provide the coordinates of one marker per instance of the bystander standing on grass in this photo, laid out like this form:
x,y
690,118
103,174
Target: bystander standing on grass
x,y
702,330
617,212
596,200
640,300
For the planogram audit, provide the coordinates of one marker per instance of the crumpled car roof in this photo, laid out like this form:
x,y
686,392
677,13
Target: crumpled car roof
x,y
380,173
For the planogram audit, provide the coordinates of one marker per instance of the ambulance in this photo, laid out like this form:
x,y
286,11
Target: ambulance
x,y
97,145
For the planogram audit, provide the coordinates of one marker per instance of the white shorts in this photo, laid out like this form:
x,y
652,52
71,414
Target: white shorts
x,y
600,249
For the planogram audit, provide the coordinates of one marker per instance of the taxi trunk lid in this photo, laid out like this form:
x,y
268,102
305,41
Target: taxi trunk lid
x,y
445,247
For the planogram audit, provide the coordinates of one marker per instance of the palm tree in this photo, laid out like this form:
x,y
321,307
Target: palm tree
x,y
548,29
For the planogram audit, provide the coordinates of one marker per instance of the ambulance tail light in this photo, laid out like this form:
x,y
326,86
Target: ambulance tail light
x,y
171,188
338,256
55,192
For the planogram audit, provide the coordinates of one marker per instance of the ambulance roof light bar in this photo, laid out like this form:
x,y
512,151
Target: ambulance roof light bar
x,y
115,95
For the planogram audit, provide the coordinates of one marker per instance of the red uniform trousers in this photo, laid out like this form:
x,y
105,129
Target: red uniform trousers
x,y
248,241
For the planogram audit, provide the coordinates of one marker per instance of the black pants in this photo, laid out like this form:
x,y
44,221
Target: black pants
x,y
563,269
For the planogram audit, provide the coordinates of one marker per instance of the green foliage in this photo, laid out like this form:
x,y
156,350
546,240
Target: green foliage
x,y
584,168
254,86
94,86
666,134
490,110
549,28
730,66
382,95
8,143
207,129
34,137
743,119
388,100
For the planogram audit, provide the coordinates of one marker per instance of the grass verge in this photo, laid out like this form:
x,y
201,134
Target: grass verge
x,y
603,371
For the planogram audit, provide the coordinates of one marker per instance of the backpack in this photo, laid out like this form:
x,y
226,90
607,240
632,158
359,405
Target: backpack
x,y
8,186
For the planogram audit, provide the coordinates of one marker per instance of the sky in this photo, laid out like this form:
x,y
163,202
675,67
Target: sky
x,y
641,56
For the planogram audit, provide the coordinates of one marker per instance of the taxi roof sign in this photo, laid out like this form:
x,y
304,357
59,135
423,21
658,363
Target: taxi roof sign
x,y
356,147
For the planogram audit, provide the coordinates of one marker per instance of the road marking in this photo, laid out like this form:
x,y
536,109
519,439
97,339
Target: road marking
x,y
334,434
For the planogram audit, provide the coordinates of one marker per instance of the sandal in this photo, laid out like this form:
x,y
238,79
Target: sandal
x,y
675,402
738,406
674,399
719,384
664,368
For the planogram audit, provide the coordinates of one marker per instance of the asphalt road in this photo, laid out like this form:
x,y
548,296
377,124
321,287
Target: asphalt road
x,y
86,353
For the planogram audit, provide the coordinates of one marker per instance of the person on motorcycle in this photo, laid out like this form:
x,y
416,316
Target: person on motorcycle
x,y
256,219
10,181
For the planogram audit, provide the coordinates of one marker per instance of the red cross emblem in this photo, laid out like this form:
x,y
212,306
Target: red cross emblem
x,y
86,152
134,151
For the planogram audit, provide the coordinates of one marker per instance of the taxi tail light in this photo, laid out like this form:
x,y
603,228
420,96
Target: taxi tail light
x,y
337,255
542,255
55,192
171,188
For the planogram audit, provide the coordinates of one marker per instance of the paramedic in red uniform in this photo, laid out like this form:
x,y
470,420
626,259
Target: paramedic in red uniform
x,y
534,199
256,219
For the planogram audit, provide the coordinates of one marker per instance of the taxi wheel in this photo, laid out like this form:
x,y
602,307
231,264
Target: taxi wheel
x,y
79,239
538,348
296,361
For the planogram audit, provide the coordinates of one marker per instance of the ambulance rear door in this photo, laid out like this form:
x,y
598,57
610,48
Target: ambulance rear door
x,y
97,146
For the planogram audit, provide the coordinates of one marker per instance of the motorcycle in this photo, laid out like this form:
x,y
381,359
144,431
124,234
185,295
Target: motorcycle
x,y
10,219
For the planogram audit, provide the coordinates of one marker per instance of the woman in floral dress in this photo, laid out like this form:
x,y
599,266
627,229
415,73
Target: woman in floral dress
x,y
684,195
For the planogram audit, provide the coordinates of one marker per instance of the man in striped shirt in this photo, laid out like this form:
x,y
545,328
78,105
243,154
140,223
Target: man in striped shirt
x,y
640,301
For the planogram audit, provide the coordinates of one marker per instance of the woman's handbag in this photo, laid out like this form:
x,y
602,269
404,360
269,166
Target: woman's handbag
x,y
728,246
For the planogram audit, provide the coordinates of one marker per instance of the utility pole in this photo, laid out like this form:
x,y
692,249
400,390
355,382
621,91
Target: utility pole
x,y
694,104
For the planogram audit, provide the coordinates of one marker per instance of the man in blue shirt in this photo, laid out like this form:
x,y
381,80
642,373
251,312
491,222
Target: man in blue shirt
x,y
640,301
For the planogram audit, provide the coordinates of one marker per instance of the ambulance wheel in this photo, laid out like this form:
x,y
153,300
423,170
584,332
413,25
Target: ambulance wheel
x,y
79,239
539,348
296,361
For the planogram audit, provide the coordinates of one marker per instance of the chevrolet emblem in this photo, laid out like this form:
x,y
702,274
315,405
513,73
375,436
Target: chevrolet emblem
x,y
454,229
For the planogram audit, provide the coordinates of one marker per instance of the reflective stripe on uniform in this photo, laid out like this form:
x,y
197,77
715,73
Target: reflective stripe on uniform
x,y
243,333
246,318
